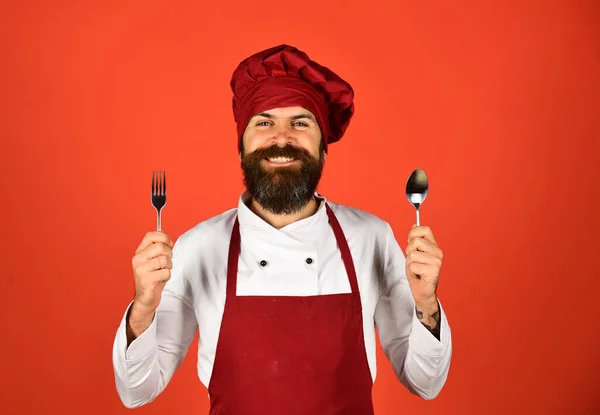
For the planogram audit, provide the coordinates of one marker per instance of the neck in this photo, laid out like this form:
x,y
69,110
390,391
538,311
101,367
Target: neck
x,y
278,221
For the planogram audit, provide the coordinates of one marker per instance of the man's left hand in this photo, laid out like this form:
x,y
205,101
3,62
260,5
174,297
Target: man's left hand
x,y
423,264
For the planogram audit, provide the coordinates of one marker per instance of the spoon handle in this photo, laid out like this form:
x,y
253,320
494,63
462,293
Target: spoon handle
x,y
418,218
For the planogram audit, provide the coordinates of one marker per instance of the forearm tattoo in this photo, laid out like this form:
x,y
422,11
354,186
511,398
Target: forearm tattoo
x,y
433,328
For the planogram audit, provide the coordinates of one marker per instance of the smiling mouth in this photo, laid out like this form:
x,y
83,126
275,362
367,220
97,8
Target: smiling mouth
x,y
280,160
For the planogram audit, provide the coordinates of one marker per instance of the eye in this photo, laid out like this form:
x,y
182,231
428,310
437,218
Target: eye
x,y
300,124
263,123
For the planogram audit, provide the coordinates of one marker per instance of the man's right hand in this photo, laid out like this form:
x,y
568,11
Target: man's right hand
x,y
151,270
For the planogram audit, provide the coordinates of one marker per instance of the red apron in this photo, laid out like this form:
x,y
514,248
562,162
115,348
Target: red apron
x,y
280,355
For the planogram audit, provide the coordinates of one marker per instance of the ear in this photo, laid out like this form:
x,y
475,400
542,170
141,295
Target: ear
x,y
323,148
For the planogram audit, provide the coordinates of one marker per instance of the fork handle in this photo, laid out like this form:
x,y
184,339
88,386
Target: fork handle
x,y
158,227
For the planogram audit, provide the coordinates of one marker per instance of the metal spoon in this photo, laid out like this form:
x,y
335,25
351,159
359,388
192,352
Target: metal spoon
x,y
416,190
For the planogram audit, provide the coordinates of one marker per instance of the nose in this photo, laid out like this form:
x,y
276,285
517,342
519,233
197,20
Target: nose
x,y
283,135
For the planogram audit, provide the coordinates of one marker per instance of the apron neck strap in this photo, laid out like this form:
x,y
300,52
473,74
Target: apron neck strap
x,y
344,249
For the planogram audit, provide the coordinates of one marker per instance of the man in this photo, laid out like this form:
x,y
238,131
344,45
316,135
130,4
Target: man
x,y
287,289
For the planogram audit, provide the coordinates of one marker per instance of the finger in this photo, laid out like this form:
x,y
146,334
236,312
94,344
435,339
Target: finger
x,y
422,269
423,245
155,264
165,264
163,275
423,258
154,237
156,249
429,250
422,232
152,251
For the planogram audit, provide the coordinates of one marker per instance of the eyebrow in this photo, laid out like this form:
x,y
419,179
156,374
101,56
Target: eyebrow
x,y
309,116
295,117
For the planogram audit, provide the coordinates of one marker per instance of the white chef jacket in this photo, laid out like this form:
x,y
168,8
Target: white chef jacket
x,y
274,262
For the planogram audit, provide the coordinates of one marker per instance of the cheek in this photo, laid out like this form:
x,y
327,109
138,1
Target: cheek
x,y
250,141
254,139
313,144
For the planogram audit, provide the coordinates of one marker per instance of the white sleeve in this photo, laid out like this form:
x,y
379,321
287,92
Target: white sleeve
x,y
143,370
421,361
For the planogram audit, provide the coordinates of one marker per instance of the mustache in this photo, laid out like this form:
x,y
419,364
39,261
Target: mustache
x,y
276,151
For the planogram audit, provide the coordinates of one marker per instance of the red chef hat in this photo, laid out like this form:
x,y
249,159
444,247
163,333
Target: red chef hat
x,y
284,76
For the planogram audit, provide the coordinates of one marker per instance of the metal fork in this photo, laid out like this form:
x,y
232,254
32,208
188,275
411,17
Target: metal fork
x,y
159,193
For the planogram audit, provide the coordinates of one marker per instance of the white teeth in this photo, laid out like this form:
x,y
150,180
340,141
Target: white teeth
x,y
280,159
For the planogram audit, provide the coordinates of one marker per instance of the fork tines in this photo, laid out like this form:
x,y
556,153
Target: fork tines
x,y
159,193
159,183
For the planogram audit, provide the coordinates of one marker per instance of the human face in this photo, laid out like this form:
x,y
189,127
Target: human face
x,y
293,126
282,158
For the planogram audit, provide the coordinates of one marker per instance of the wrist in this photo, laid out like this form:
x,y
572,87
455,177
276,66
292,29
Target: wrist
x,y
138,321
428,313
140,313
427,303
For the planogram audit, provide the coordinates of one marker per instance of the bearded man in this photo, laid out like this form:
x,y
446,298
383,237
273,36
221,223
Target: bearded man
x,y
288,290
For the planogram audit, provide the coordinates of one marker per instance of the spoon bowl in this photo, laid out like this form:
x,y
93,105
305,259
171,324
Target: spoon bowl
x,y
417,187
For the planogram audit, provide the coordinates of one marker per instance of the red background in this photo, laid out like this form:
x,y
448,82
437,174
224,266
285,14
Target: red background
x,y
497,101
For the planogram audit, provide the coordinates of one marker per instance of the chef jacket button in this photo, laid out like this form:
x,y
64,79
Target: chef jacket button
x,y
263,263
309,261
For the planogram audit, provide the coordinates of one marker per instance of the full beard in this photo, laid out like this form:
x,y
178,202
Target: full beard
x,y
286,189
